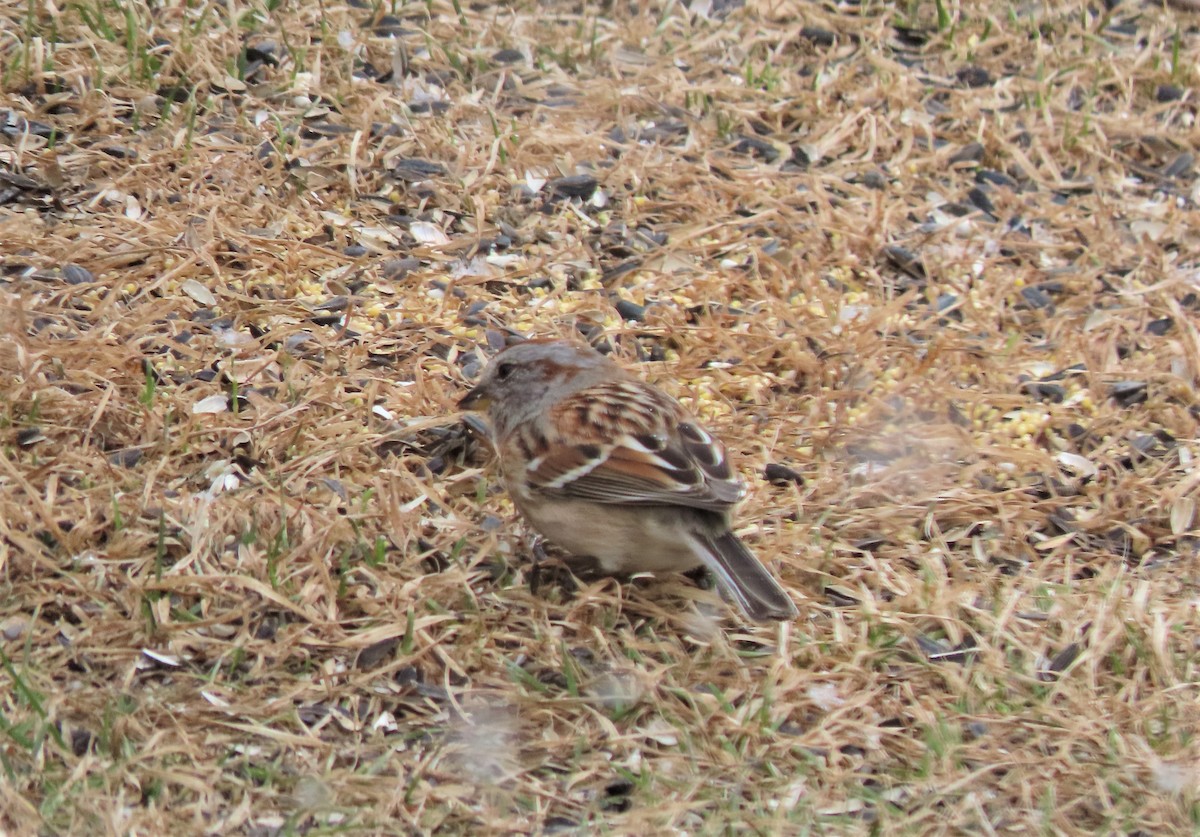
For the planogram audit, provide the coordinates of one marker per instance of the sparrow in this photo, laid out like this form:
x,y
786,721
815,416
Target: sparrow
x,y
608,466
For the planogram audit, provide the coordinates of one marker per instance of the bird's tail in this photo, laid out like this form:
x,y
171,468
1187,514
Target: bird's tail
x,y
744,577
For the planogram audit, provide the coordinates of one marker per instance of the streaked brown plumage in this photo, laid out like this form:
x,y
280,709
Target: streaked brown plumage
x,y
608,466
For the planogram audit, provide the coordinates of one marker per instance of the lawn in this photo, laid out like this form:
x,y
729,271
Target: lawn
x,y
932,271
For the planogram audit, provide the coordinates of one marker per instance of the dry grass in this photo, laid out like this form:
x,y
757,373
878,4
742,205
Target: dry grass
x,y
256,578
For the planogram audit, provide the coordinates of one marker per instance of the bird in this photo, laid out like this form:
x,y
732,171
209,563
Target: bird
x,y
608,466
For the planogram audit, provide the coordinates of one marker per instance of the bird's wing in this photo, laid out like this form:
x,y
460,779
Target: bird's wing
x,y
626,443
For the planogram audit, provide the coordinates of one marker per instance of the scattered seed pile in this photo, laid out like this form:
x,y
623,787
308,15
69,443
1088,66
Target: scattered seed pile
x,y
931,271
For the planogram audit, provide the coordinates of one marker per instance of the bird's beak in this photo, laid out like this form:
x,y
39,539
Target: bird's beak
x,y
476,399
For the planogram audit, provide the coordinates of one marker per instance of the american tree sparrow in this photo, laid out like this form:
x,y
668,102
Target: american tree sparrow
x,y
608,466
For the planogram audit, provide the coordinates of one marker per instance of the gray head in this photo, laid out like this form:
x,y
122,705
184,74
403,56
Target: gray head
x,y
523,379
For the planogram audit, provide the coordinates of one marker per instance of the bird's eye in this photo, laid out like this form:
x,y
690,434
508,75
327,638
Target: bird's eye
x,y
504,370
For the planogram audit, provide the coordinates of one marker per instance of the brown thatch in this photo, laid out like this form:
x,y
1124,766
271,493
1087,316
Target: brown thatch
x,y
931,271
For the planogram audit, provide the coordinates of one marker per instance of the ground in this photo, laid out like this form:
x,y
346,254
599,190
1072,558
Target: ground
x,y
931,271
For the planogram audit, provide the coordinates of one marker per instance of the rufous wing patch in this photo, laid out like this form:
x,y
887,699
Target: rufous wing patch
x,y
625,443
